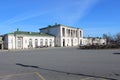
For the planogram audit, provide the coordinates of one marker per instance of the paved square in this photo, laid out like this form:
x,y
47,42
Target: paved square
x,y
23,76
60,64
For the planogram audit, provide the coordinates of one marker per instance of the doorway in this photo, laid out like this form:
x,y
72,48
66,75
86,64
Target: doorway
x,y
71,42
63,42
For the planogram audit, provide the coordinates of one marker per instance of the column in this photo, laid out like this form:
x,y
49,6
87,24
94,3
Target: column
x,y
60,30
65,32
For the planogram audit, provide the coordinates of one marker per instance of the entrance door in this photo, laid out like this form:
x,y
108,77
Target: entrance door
x,y
80,42
20,43
63,42
0,46
71,42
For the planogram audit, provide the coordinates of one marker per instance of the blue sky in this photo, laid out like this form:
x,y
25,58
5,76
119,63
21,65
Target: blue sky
x,y
95,17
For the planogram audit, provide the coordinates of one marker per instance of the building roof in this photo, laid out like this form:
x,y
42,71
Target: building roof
x,y
51,26
30,33
57,25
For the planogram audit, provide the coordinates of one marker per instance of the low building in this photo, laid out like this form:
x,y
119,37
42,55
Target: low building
x,y
25,40
94,41
1,42
64,35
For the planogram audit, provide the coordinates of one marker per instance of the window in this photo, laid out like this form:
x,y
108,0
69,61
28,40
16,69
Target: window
x,y
36,43
50,42
63,32
76,34
30,43
41,42
19,43
80,42
46,42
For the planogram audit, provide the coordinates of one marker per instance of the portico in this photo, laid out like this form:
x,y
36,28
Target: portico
x,y
65,35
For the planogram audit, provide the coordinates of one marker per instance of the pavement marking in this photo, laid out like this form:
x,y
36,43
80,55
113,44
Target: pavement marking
x,y
38,74
13,75
86,78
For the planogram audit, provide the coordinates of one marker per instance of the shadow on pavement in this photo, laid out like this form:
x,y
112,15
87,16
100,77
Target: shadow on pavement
x,y
68,73
117,53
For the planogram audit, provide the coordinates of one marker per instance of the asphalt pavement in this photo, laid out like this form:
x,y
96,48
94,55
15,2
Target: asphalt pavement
x,y
60,64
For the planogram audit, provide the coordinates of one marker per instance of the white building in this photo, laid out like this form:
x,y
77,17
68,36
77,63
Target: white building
x,y
56,35
64,35
94,41
1,42
25,40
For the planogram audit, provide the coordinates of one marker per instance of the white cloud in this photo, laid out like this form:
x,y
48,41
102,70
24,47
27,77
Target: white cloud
x,y
76,10
23,17
69,13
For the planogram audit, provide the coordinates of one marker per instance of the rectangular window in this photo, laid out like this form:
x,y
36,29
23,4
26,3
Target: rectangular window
x,y
63,32
76,34
19,42
36,43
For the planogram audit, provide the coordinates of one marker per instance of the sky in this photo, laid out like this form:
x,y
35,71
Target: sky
x,y
95,17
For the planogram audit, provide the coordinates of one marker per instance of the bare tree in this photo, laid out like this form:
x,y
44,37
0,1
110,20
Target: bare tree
x,y
109,38
117,38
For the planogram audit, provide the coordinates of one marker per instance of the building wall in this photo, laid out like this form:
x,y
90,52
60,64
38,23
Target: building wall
x,y
65,36
55,31
12,41
103,41
85,41
6,42
27,38
1,42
